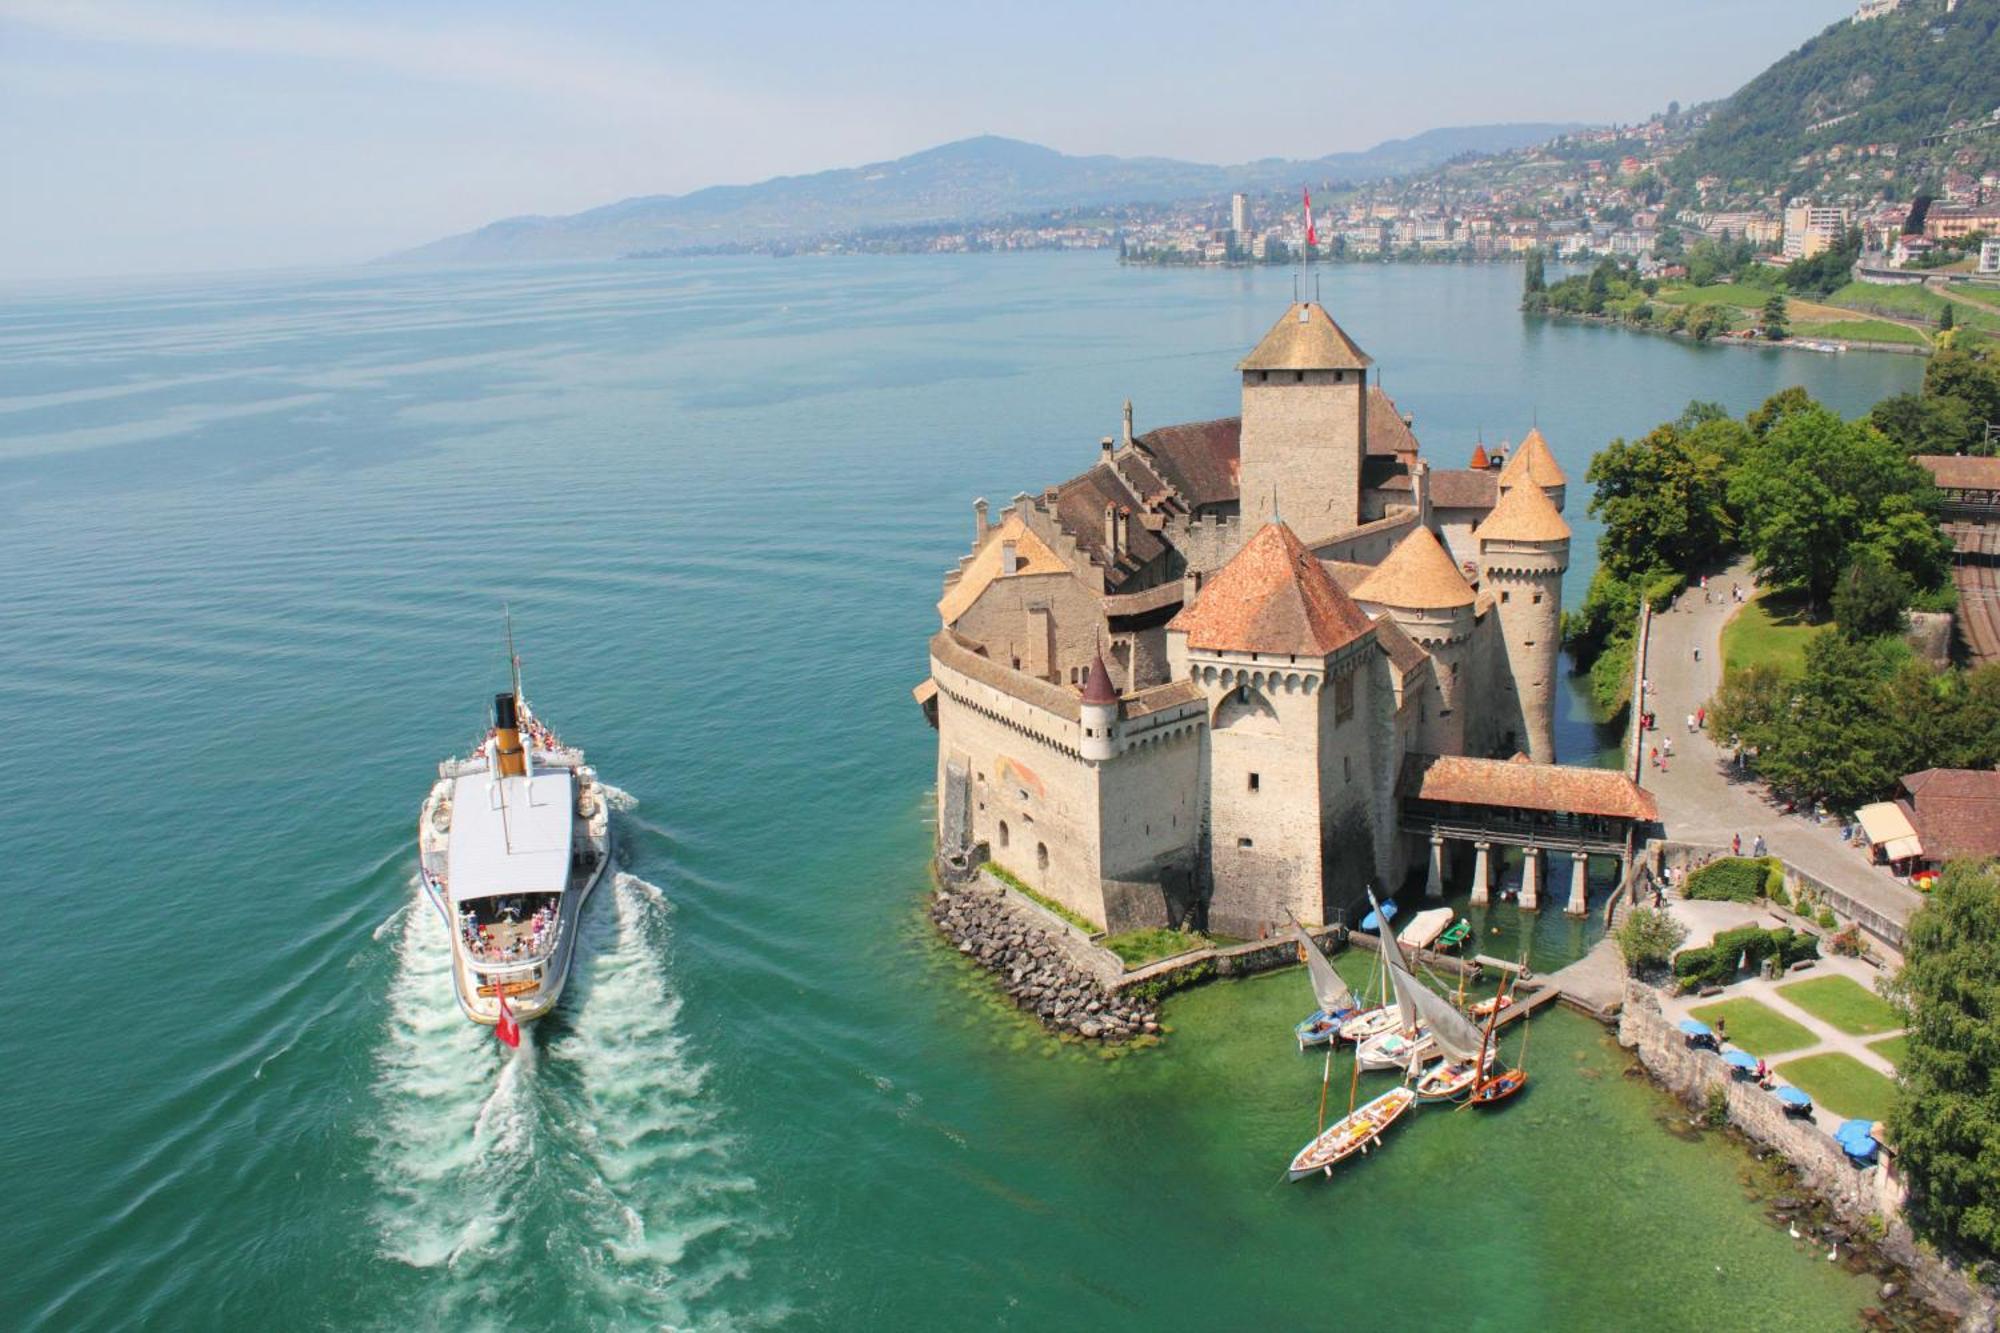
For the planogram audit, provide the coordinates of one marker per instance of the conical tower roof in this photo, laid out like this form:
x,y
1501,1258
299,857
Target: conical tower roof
x,y
1097,686
1273,596
1306,339
1533,461
1480,462
1418,575
1524,514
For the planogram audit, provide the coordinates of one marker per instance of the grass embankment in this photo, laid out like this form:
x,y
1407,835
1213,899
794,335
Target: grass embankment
x,y
1014,881
1864,330
1139,947
1842,1084
1772,629
1919,303
1843,1003
1892,1049
1754,1026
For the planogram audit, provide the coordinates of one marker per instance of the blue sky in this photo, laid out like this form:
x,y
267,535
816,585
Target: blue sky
x,y
205,134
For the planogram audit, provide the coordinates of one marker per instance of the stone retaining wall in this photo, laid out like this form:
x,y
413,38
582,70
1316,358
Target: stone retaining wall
x,y
1680,854
1856,1194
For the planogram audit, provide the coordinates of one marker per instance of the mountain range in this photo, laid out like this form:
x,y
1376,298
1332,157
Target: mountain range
x,y
971,180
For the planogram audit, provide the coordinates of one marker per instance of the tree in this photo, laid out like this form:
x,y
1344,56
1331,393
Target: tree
x,y
1871,598
1926,424
1946,1120
1831,740
1535,277
1776,327
1648,937
1752,703
1945,317
1776,407
1663,498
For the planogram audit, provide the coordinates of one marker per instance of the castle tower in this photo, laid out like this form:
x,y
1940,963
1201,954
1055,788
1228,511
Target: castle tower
x,y
1299,700
1305,421
1419,587
1099,713
1534,462
1523,554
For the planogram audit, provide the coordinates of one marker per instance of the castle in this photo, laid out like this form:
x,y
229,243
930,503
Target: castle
x,y
1196,681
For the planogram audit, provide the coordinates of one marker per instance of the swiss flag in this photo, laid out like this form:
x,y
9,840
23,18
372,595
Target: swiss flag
x,y
507,1030
1312,237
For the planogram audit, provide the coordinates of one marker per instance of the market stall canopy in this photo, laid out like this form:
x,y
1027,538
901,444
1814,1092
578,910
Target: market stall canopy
x,y
1888,829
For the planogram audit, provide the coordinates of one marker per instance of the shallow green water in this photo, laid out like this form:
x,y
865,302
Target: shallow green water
x,y
256,532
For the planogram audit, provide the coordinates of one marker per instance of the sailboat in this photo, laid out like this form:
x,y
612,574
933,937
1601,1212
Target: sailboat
x,y
1406,1038
1463,1045
1357,1131
1493,1088
1336,1001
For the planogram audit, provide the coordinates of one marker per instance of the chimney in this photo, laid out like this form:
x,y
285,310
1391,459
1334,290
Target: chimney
x,y
1110,530
1104,449
979,522
1420,488
1010,558
1124,528
1128,423
507,737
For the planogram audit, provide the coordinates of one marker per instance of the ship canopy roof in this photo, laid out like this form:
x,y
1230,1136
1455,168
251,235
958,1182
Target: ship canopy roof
x,y
509,835
1306,339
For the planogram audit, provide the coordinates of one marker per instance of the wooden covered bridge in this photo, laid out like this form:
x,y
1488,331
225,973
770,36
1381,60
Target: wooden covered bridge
x,y
1540,808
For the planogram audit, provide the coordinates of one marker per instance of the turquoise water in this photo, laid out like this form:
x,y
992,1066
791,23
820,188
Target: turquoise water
x,y
257,535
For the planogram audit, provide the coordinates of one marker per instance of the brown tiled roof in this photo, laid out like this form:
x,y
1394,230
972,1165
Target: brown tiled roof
x,y
1388,433
1533,461
1079,508
1143,478
1517,784
1962,474
1418,575
1956,811
1306,339
1524,514
1198,459
1157,698
1346,575
1273,597
1464,488
1097,686
1404,652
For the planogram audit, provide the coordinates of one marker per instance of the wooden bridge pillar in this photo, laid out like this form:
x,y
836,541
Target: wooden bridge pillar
x,y
1434,881
1531,878
1579,884
1482,867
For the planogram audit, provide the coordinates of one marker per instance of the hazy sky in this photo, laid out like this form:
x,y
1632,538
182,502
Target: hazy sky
x,y
147,137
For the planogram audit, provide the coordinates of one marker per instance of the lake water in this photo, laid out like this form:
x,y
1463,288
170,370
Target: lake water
x,y
257,534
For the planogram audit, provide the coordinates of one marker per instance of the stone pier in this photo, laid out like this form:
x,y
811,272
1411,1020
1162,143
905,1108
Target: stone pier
x,y
1579,884
1482,868
1531,879
1434,881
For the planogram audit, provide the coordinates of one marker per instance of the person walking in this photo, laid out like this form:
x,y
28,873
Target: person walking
x,y
1690,724
1736,845
1701,718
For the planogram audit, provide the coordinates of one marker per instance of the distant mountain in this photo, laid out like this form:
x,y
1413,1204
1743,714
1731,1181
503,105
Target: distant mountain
x,y
973,180
1891,80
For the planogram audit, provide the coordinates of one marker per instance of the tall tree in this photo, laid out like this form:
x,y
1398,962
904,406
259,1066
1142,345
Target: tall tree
x,y
1663,498
1946,1121
1871,598
1776,322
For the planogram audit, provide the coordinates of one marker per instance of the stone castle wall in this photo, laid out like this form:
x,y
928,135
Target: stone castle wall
x,y
1301,442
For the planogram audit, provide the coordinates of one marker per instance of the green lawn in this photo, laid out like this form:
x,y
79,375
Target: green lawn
x,y
1862,330
1912,302
1755,1027
1139,947
1773,629
1842,1084
1721,293
1845,1003
1892,1049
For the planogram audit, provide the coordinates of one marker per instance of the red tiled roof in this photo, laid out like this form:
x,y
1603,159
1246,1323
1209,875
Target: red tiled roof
x,y
1956,811
1519,784
1464,488
1097,686
1273,597
1954,473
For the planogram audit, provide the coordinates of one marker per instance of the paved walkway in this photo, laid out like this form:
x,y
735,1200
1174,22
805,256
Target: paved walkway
x,y
1701,797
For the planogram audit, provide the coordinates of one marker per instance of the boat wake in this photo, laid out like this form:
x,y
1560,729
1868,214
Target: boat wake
x,y
587,1164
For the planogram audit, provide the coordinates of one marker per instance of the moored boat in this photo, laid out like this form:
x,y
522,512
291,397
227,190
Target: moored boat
x,y
1368,1023
1336,1001
1490,1006
1396,1049
1499,1087
1355,1132
512,840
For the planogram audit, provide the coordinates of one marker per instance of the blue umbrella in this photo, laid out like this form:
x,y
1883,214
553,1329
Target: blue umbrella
x,y
1791,1096
1740,1059
1694,1029
1370,922
1857,1137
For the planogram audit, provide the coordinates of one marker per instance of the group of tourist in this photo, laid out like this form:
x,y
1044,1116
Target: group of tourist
x,y
531,942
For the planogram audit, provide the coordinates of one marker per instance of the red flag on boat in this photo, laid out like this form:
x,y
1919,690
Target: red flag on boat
x,y
507,1030
1312,237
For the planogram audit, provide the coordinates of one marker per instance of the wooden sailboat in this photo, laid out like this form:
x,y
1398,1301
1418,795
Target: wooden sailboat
x,y
1355,1132
1336,1001
1463,1045
1405,1039
1494,1088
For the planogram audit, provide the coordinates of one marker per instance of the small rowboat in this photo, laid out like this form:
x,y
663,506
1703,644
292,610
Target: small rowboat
x,y
1454,937
1499,1088
1446,1079
1356,1132
1321,1028
1369,1023
1491,1005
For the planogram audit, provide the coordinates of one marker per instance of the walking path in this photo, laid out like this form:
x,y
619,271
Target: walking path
x,y
1701,797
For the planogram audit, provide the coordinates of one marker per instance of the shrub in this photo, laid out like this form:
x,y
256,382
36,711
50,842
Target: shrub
x,y
1734,879
1826,919
1774,882
1717,963
1648,937
1848,943
1715,1114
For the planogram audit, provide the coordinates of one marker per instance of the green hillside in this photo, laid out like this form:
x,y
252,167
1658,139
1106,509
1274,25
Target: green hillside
x,y
1893,80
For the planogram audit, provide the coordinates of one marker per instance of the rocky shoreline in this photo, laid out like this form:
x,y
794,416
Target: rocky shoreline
x,y
1034,970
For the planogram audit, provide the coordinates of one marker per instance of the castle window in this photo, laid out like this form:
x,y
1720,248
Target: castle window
x,y
1343,699
1243,842
1298,377
1538,599
1504,596
1004,835
1253,782
1041,856
1347,768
